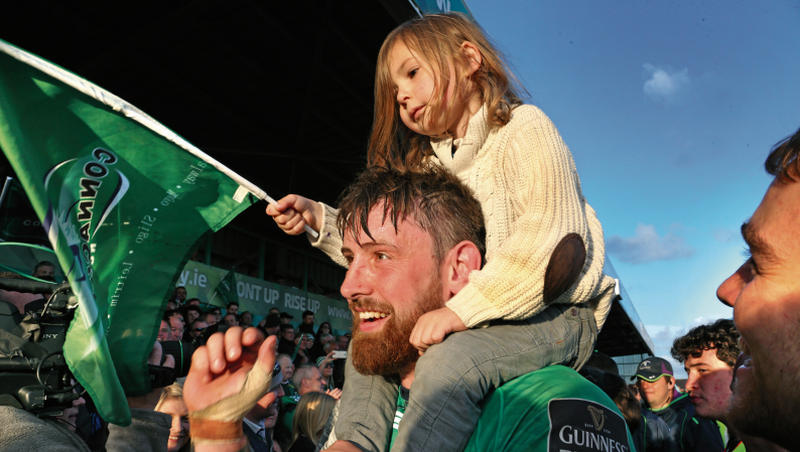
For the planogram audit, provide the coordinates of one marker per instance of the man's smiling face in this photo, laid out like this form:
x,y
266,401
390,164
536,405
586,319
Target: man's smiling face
x,y
393,278
765,295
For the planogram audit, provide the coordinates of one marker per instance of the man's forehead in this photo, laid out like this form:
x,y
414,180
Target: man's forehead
x,y
776,221
381,228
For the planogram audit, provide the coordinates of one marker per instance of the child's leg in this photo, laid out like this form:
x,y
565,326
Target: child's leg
x,y
452,378
366,409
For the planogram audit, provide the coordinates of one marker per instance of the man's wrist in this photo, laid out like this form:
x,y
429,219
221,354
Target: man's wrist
x,y
203,430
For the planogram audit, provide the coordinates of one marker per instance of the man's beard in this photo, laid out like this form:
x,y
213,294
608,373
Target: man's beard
x,y
388,352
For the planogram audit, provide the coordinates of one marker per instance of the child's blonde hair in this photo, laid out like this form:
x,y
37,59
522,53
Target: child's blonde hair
x,y
436,39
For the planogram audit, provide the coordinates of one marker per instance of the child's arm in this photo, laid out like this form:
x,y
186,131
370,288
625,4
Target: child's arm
x,y
293,212
540,204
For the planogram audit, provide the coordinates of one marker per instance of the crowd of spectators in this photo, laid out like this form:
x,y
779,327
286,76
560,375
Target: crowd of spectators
x,y
305,358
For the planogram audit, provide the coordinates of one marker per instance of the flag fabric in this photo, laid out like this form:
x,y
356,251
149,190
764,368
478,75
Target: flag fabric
x,y
123,201
226,289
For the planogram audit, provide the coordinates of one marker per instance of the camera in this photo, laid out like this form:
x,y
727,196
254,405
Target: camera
x,y
33,373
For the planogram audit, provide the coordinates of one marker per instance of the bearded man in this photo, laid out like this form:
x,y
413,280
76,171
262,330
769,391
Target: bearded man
x,y
411,241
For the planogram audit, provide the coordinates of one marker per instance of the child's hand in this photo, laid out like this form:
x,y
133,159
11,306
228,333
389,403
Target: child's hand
x,y
293,212
433,326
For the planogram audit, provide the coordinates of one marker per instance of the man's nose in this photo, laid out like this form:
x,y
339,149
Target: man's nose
x,y
729,290
691,382
356,281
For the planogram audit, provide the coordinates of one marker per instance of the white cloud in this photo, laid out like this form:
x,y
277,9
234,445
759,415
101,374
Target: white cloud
x,y
665,84
647,246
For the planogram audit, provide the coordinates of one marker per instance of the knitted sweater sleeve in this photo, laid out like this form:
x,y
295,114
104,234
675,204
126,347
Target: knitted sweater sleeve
x,y
329,240
536,169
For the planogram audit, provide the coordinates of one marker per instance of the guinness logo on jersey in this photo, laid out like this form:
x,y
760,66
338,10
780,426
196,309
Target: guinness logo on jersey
x,y
598,417
578,425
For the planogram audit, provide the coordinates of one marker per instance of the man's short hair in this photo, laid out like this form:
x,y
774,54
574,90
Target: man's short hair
x,y
307,312
301,373
231,304
783,161
435,199
720,335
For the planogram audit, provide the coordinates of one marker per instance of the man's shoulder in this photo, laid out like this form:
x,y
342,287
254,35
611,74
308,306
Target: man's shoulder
x,y
553,406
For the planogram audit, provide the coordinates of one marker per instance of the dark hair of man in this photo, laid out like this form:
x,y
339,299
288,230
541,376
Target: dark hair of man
x,y
436,200
188,308
169,313
720,335
286,326
783,161
231,304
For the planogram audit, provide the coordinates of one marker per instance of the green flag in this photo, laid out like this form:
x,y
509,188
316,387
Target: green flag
x,y
226,289
123,201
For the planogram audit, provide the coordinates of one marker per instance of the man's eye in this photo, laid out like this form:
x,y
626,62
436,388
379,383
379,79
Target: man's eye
x,y
382,256
412,73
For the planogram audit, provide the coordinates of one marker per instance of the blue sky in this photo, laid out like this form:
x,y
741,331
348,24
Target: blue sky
x,y
669,109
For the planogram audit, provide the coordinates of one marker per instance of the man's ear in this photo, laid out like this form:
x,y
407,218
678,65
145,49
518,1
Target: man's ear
x,y
472,57
459,262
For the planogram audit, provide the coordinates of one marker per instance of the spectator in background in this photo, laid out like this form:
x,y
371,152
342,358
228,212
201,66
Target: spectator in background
x,y
275,311
246,319
286,345
765,295
286,318
325,366
307,324
324,328
45,270
230,319
191,313
197,332
342,342
259,422
232,308
688,432
210,317
193,302
217,313
176,324
271,324
311,416
179,296
164,332
303,352
171,403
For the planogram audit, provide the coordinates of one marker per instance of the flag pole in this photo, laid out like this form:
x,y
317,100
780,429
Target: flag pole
x,y
130,111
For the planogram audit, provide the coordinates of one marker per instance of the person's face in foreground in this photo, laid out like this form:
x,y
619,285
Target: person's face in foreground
x,y
392,279
765,295
179,428
709,384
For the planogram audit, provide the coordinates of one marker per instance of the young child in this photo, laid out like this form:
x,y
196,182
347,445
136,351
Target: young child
x,y
444,97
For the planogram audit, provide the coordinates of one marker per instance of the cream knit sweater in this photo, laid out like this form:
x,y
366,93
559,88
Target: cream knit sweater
x,y
525,179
